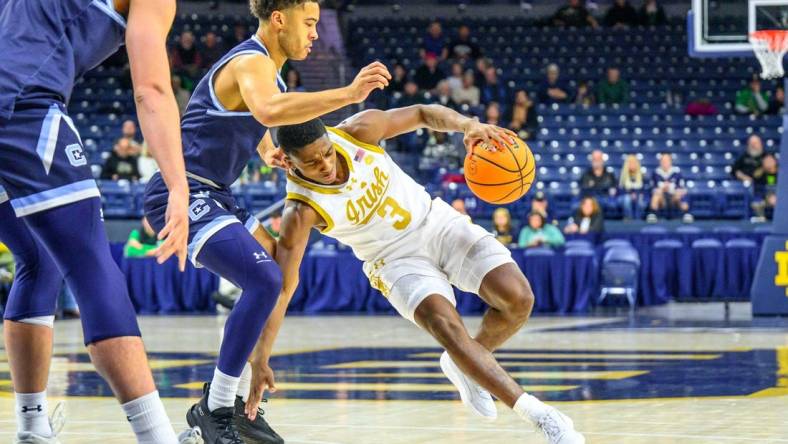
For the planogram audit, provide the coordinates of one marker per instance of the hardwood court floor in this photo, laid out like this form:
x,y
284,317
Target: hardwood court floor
x,y
678,374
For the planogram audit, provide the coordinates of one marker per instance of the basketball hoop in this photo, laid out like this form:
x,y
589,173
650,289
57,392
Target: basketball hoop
x,y
770,47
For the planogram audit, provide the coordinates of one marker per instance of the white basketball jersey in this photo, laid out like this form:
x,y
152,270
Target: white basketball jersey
x,y
377,205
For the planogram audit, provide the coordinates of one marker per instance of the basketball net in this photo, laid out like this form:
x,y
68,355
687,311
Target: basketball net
x,y
770,47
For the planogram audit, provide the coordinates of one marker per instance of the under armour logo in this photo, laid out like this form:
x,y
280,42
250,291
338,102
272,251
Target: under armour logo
x,y
37,408
261,257
781,279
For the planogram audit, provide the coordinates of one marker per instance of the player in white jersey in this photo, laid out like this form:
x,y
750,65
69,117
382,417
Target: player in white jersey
x,y
414,249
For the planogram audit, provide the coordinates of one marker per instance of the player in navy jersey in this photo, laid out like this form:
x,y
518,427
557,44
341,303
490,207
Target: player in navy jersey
x,y
50,212
224,124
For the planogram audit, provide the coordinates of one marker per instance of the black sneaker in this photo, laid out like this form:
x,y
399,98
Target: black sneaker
x,y
215,426
257,431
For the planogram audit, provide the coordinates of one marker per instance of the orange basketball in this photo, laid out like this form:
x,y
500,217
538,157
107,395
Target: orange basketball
x,y
501,176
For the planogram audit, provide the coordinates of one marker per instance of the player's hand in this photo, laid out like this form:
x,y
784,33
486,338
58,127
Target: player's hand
x,y
476,132
275,158
176,231
371,77
262,380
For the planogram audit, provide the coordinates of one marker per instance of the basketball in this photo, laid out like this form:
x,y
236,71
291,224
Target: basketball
x,y
501,176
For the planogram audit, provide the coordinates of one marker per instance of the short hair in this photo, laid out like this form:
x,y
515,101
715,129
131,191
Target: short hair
x,y
262,9
292,138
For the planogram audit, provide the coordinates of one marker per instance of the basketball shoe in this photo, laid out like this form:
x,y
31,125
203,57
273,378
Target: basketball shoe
x,y
216,427
56,422
257,431
472,394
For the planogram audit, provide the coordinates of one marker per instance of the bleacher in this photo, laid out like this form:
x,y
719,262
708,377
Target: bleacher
x,y
652,60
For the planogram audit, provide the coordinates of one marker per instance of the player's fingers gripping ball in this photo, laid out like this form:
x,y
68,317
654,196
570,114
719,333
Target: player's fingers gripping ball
x,y
500,173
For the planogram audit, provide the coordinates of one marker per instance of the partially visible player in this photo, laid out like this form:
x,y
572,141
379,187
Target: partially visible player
x,y
227,118
414,249
50,215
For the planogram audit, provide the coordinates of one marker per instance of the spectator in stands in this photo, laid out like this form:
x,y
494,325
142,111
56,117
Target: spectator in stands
x,y
128,130
493,89
459,205
146,165
142,241
462,48
434,42
440,147
540,205
631,184
468,94
575,15
588,218
399,78
668,190
750,161
584,97
274,224
597,181
700,107
122,163
621,15
777,102
455,79
186,58
443,95
752,100
502,226
212,49
410,95
765,187
182,95
553,89
492,115
240,34
522,116
538,233
294,81
429,74
652,14
482,63
612,90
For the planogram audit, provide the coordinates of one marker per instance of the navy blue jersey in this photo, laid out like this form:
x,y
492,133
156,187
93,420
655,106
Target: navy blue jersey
x,y
217,143
46,45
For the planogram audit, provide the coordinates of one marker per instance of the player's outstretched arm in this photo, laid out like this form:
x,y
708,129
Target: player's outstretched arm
x,y
255,75
372,126
297,222
149,21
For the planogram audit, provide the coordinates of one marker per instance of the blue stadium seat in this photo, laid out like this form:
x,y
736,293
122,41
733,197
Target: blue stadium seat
x,y
117,199
620,274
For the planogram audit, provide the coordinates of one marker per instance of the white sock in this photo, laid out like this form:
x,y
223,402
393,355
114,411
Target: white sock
x,y
149,420
528,407
245,383
223,389
31,413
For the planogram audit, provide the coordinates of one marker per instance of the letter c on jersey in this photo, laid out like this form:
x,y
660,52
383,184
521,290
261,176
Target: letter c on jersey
x,y
198,209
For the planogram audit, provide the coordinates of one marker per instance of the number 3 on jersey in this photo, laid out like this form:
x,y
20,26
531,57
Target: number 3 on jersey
x,y
401,216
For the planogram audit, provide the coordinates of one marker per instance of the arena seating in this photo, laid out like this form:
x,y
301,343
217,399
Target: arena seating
x,y
653,61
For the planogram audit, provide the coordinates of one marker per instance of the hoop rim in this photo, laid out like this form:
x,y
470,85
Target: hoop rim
x,y
777,39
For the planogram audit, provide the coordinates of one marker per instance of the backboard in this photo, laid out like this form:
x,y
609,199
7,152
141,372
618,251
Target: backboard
x,y
721,28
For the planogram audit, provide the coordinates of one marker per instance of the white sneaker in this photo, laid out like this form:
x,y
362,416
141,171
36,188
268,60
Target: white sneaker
x,y
473,396
557,427
190,436
56,422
